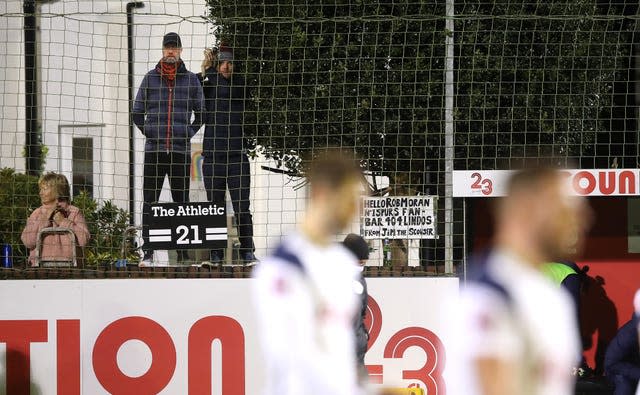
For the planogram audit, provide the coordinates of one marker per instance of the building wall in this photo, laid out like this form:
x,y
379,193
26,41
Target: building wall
x,y
12,120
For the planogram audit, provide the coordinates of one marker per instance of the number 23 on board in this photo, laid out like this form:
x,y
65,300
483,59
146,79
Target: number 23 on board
x,y
484,185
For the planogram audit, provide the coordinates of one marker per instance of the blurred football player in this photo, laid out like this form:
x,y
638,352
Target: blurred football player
x,y
516,332
304,292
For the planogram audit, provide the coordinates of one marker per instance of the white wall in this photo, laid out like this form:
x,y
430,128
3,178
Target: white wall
x,y
12,112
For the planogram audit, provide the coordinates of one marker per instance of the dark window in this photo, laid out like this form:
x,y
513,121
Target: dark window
x,y
82,165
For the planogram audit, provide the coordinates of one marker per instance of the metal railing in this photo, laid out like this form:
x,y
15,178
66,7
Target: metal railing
x,y
44,232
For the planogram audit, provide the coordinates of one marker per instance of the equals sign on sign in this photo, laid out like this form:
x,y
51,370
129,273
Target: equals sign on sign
x,y
216,233
159,235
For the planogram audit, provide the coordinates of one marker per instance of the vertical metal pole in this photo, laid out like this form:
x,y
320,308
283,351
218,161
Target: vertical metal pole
x,y
636,78
448,139
132,158
33,150
465,246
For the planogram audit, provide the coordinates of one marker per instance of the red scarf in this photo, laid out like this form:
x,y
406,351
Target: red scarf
x,y
168,71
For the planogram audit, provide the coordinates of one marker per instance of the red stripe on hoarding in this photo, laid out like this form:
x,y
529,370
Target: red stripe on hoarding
x,y
68,356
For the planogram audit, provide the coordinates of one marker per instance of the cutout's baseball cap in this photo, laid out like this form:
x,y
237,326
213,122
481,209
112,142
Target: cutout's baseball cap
x,y
172,39
225,53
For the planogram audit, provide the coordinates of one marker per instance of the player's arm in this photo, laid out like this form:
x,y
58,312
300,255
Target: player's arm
x,y
491,341
496,376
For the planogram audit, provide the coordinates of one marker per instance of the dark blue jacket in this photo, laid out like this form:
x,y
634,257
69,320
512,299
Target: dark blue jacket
x,y
623,356
361,333
225,104
164,115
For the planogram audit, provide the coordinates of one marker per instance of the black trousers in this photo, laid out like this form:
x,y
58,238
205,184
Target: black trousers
x,y
624,385
157,165
231,169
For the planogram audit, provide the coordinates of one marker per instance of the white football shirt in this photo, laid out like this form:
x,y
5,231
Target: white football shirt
x,y
533,330
305,317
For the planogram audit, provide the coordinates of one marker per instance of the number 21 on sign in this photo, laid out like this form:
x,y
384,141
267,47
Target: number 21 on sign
x,y
183,232
484,185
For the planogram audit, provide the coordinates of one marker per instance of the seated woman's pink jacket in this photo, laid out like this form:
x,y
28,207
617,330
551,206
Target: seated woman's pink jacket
x,y
55,246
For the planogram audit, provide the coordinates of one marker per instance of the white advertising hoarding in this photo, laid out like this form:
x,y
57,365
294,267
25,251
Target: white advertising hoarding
x,y
190,336
590,182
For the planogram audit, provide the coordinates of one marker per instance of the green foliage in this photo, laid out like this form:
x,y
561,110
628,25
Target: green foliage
x,y
531,78
361,75
107,224
536,78
18,197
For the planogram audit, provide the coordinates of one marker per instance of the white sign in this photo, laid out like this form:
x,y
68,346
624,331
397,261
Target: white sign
x,y
592,182
189,336
399,217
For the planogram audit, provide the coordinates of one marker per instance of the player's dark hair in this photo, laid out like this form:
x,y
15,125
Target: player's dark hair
x,y
333,168
357,245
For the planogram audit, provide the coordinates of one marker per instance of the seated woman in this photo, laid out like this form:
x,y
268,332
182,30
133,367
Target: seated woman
x,y
57,212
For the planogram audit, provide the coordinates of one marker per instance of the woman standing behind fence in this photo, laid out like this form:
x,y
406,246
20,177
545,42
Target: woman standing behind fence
x,y
56,212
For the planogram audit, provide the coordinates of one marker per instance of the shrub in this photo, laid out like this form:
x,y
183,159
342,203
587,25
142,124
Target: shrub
x,y
107,224
18,198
